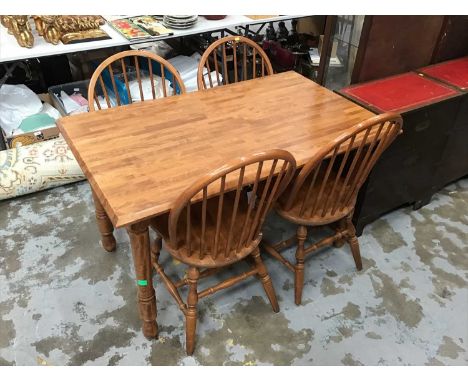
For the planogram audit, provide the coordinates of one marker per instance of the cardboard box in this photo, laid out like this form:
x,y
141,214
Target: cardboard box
x,y
313,25
30,138
33,136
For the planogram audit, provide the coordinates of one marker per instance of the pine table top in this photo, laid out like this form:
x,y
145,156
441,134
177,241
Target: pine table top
x,y
139,158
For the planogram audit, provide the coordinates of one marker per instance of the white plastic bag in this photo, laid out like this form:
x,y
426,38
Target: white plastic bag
x,y
16,103
69,104
192,84
186,66
147,88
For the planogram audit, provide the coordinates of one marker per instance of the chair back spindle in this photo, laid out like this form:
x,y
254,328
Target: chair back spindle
x,y
327,186
143,63
248,61
228,225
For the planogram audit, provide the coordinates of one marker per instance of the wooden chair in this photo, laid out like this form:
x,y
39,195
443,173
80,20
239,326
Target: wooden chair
x,y
325,190
211,233
247,57
120,63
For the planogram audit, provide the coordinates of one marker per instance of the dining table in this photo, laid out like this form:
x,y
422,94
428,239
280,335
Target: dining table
x,y
139,158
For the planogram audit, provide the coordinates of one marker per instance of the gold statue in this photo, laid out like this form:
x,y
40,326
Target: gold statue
x,y
6,22
19,25
50,32
39,24
53,29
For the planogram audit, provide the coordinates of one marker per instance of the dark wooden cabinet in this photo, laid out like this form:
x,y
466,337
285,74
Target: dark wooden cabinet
x,y
414,167
395,44
392,45
454,162
453,39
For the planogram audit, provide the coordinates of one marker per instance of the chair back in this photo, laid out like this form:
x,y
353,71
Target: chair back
x,y
247,59
328,184
226,226
151,73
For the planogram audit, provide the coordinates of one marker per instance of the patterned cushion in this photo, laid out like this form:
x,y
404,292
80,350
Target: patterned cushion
x,y
37,167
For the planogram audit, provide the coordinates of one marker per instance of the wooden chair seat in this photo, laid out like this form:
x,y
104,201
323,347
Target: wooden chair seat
x,y
319,217
191,255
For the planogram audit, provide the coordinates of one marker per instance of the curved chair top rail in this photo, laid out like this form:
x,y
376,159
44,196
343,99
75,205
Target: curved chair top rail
x,y
137,58
268,172
244,51
337,172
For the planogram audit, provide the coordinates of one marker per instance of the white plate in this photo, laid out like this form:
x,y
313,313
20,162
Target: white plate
x,y
176,17
181,20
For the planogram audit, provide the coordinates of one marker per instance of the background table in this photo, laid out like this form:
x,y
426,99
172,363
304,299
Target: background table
x,y
138,158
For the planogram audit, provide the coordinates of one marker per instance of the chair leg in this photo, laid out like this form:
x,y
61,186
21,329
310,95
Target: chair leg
x,y
191,313
299,267
156,247
266,280
353,243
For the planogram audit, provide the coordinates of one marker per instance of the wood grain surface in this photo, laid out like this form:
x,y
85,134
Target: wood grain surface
x,y
139,158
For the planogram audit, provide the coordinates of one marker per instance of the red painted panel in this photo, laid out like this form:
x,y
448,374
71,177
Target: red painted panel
x,y
454,72
399,93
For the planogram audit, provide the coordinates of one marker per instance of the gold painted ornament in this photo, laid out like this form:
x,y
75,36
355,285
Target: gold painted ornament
x,y
53,28
50,32
19,25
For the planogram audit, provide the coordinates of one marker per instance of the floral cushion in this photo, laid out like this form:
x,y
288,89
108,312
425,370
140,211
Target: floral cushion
x,y
37,167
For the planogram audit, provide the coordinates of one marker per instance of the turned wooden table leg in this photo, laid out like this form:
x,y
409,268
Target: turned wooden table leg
x,y
105,226
140,241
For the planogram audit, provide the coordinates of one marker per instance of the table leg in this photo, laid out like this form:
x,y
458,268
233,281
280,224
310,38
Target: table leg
x,y
139,239
105,226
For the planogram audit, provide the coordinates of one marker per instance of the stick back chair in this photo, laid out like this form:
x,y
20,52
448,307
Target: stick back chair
x,y
249,61
208,234
325,191
120,63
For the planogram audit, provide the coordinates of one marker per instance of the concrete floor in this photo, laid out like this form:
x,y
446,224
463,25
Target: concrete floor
x,y
65,301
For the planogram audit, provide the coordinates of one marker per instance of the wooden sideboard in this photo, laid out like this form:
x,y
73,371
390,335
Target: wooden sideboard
x,y
431,152
454,163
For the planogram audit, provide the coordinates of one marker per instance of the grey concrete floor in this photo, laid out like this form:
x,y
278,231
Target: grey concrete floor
x,y
65,301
